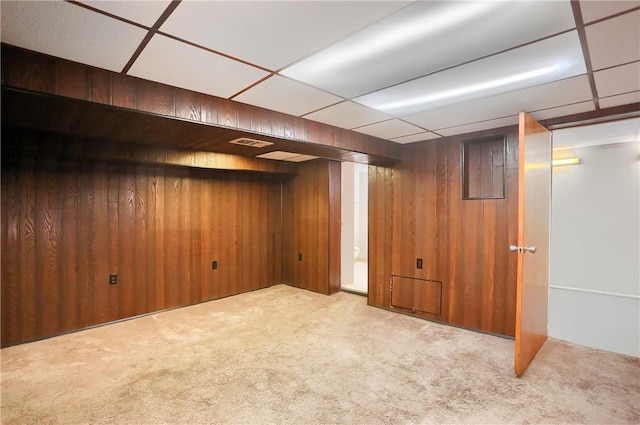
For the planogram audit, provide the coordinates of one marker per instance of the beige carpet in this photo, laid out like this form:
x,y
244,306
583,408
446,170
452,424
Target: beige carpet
x,y
288,356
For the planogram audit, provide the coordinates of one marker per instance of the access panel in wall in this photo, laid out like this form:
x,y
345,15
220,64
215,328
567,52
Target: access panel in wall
x,y
483,168
416,295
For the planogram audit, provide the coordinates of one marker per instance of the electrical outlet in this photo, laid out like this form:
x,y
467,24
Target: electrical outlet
x,y
299,256
214,265
419,263
113,279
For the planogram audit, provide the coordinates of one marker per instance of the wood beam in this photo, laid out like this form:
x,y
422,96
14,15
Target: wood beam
x,y
37,73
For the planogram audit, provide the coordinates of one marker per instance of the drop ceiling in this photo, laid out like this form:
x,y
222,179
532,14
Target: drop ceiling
x,y
402,71
621,131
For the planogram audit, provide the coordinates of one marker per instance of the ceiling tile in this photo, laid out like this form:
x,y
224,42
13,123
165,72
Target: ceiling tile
x,y
287,96
618,80
70,32
594,10
390,129
272,34
614,41
563,111
551,95
621,99
479,126
597,134
141,11
426,37
548,60
427,135
165,60
348,115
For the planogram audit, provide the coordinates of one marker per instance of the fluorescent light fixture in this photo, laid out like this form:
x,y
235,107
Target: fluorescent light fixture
x,y
286,156
425,37
566,161
301,158
395,32
466,90
539,63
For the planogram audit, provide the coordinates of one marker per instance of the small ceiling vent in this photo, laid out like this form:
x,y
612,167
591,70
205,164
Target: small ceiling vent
x,y
251,142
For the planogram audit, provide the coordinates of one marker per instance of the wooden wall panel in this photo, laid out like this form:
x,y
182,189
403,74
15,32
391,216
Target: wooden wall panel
x,y
71,227
335,225
289,241
416,210
25,70
444,175
26,261
48,223
454,261
311,220
380,235
99,249
127,261
11,264
68,224
86,229
61,147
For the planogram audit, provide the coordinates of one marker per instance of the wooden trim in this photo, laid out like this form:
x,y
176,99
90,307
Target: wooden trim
x,y
33,72
59,147
614,113
334,225
522,120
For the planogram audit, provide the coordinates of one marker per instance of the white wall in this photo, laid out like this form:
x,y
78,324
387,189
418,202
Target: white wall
x,y
347,212
361,213
594,297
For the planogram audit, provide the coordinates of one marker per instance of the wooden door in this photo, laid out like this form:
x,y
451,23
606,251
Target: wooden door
x,y
534,203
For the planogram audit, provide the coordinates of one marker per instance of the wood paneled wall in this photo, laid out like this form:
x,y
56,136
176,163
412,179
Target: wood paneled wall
x,y
416,210
311,217
55,146
67,224
25,70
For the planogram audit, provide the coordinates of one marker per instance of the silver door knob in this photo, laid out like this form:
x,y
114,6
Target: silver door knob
x,y
531,249
515,248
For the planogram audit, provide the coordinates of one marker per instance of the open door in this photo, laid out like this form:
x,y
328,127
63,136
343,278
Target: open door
x,y
534,210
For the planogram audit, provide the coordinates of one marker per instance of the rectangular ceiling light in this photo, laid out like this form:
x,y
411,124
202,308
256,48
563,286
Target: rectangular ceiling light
x,y
301,158
252,143
425,37
552,59
286,156
566,161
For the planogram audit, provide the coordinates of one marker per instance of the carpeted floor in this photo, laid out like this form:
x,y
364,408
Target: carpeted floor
x,y
288,356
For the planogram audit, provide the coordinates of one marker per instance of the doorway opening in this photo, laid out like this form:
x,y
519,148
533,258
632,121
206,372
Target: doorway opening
x,y
355,228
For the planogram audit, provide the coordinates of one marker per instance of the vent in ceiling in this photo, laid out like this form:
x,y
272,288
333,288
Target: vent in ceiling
x,y
243,141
